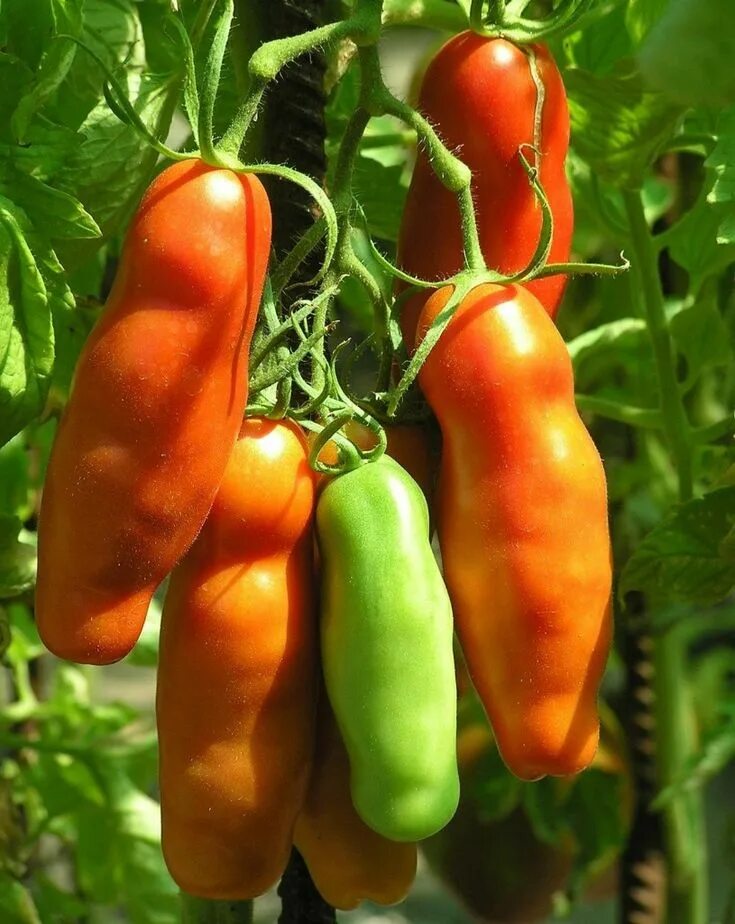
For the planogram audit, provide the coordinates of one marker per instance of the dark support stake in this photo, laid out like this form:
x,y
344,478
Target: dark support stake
x,y
301,903
294,130
643,873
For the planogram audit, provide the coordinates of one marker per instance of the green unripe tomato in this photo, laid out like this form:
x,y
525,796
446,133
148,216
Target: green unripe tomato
x,y
386,637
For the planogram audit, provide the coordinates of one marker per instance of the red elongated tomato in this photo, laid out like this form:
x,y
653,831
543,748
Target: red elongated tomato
x,y
522,522
481,96
156,405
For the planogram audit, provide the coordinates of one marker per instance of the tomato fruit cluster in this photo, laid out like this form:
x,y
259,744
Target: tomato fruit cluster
x,y
155,472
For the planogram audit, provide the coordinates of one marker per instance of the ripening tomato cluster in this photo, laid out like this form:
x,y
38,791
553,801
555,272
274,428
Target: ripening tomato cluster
x,y
154,472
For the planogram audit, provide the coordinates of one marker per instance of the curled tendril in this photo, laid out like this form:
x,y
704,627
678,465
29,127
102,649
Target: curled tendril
x,y
350,455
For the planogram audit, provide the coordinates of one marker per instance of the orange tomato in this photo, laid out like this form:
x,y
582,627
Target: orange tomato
x,y
348,861
236,681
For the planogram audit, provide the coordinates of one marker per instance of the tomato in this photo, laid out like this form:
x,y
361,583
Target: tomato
x,y
480,95
386,626
522,524
348,861
237,674
156,405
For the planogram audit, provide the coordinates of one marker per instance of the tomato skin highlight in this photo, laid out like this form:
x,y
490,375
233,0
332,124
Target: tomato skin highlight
x,y
157,402
522,524
237,674
386,626
348,861
480,96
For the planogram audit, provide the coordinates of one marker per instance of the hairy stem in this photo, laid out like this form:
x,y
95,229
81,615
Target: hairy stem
x,y
207,911
675,732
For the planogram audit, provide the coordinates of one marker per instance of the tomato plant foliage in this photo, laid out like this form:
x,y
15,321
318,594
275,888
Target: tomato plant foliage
x,y
651,95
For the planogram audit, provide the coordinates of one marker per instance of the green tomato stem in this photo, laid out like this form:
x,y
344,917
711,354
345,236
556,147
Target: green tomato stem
x,y
623,413
200,24
204,911
267,62
451,172
716,431
430,14
650,301
477,10
496,12
683,814
675,732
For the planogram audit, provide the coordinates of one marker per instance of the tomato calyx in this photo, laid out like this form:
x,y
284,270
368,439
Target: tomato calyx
x,y
502,19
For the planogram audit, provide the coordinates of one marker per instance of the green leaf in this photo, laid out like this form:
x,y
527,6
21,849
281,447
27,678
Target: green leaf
x,y
726,231
55,213
722,164
681,559
54,66
494,788
597,817
16,903
17,564
26,329
701,335
591,810
111,168
599,213
600,45
616,352
381,190
112,30
642,15
27,26
693,242
543,802
688,54
14,480
55,904
25,645
619,127
15,77
119,857
614,338
714,754
65,784
48,146
71,326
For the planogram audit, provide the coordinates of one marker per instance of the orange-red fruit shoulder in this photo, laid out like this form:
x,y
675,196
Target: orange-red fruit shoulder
x,y
522,511
157,402
236,682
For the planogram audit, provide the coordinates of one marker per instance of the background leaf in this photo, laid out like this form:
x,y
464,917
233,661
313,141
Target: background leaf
x,y
26,328
618,126
688,53
680,560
